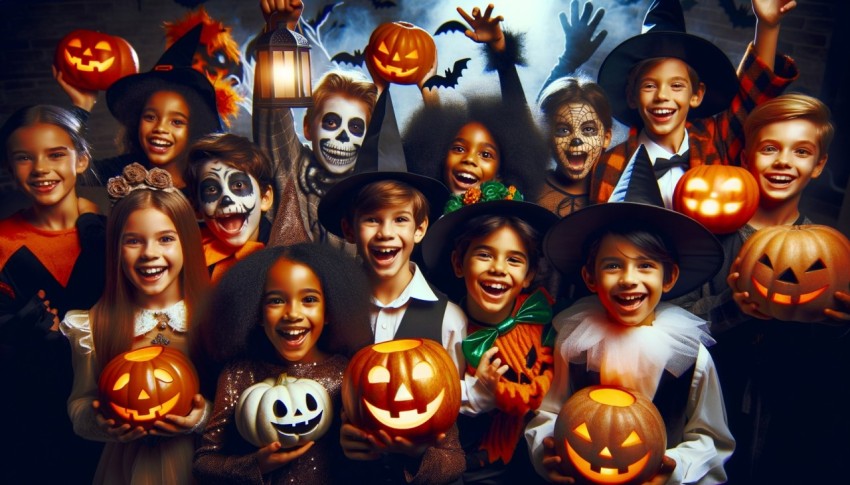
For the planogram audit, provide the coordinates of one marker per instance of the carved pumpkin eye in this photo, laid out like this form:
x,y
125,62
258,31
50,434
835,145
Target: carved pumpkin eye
x,y
104,46
732,185
582,431
632,439
75,43
383,48
412,55
697,185
816,266
121,382
765,260
163,375
379,375
423,370
280,409
312,404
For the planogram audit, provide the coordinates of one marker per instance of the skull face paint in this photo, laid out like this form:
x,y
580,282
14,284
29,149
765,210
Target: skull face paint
x,y
337,133
230,201
578,139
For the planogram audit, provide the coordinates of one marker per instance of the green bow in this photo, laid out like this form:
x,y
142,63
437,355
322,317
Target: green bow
x,y
535,309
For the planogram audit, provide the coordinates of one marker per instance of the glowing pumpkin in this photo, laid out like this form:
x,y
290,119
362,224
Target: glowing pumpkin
x,y
607,434
408,388
401,52
93,60
793,272
721,197
143,385
287,409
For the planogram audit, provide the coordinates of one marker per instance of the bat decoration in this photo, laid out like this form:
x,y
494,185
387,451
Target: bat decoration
x,y
450,79
317,22
383,4
738,14
450,26
356,59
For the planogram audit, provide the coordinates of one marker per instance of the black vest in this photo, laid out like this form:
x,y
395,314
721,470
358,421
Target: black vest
x,y
423,319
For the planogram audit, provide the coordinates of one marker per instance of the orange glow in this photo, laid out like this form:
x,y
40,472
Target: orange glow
x,y
612,397
144,354
396,346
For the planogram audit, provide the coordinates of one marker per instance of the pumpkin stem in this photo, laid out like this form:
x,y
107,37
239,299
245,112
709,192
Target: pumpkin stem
x,y
281,379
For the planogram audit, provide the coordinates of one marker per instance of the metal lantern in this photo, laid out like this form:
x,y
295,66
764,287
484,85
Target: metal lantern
x,y
282,74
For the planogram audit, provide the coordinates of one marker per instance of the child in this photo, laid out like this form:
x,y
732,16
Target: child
x,y
231,181
493,245
51,260
308,289
155,280
632,256
680,97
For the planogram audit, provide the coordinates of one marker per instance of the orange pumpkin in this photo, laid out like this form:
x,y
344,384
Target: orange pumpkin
x,y
143,385
793,272
408,388
401,52
721,197
607,434
92,60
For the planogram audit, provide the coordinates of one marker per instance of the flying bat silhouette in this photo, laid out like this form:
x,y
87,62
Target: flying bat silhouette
x,y
356,59
450,79
323,15
738,14
450,26
383,3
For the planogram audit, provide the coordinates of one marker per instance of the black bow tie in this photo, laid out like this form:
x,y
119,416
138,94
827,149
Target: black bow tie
x,y
662,165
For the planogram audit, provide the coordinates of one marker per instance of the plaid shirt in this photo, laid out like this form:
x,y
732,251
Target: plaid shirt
x,y
718,139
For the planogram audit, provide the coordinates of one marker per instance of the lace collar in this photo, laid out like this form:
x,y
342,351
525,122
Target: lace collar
x,y
173,316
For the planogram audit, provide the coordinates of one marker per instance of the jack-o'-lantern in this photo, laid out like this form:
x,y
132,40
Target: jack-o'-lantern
x,y
287,409
401,52
143,385
607,434
92,60
793,272
721,197
408,388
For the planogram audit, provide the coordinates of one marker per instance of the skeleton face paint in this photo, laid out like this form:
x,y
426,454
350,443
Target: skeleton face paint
x,y
337,133
230,201
578,139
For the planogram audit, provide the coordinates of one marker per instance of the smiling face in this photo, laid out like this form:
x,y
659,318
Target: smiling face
x,y
152,258
495,269
578,139
473,158
45,164
164,127
629,283
784,157
337,132
231,202
294,310
663,96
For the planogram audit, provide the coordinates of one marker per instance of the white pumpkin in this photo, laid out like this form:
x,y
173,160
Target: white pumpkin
x,y
287,409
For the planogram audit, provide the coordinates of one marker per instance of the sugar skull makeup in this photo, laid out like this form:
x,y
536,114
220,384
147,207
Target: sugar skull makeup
x,y
230,201
337,133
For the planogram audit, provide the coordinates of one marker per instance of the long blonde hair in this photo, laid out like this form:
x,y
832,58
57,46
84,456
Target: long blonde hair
x,y
112,317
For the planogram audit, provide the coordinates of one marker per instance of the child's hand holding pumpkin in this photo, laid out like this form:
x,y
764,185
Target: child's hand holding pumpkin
x,y
742,298
552,463
122,433
270,458
173,424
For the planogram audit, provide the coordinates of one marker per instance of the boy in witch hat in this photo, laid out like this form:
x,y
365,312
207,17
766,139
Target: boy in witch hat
x,y
681,97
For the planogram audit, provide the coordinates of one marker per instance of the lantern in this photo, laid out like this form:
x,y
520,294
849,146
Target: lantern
x,y
408,388
143,385
401,52
282,75
721,197
287,409
793,272
607,434
92,61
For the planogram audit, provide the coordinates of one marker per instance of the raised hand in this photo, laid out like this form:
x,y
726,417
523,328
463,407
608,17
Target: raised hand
x,y
579,41
486,29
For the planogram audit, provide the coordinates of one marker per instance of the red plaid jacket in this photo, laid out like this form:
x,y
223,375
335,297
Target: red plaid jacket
x,y
718,139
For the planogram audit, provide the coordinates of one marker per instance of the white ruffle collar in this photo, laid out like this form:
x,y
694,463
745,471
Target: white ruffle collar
x,y
633,357
173,316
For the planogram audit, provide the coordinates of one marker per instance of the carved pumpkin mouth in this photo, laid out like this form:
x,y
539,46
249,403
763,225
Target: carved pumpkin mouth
x,y
153,413
406,419
787,299
297,429
606,475
394,70
91,66
712,207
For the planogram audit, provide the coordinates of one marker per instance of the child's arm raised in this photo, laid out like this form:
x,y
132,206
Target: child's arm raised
x,y
769,13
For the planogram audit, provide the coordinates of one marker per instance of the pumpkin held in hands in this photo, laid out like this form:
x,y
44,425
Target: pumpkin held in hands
x,y
721,197
607,434
143,385
408,388
92,60
287,409
793,272
400,52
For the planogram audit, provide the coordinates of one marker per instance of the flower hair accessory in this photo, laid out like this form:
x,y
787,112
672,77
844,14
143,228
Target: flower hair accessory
x,y
135,177
488,191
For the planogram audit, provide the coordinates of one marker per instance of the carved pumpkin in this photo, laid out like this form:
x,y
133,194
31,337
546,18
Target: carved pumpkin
x,y
607,434
143,385
721,197
408,388
793,272
93,60
287,409
401,52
